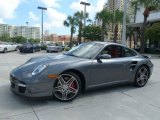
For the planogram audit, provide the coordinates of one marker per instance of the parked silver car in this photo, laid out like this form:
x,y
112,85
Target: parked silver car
x,y
89,65
54,48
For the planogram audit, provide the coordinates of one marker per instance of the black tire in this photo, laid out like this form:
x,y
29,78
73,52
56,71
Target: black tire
x,y
142,76
16,49
5,50
33,50
71,87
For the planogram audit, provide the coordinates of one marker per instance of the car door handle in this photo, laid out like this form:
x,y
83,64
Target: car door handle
x,y
133,64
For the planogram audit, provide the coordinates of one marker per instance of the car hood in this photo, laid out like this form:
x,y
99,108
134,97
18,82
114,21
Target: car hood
x,y
27,68
54,58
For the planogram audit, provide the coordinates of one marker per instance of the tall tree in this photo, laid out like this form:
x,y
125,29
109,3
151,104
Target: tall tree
x,y
71,22
80,16
152,33
91,32
105,17
118,18
5,37
130,35
135,7
148,5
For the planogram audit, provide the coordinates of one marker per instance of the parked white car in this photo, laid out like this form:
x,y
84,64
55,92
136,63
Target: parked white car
x,y
4,47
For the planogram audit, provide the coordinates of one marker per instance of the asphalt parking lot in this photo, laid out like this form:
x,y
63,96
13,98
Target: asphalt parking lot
x,y
123,102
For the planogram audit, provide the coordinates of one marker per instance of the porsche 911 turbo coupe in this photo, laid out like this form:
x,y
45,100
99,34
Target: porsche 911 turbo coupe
x,y
89,65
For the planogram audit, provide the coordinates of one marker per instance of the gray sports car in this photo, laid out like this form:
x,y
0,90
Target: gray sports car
x,y
89,65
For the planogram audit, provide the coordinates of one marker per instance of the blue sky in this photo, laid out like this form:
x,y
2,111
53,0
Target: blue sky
x,y
18,12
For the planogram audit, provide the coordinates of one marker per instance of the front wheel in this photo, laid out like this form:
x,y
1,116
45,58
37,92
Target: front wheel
x,y
66,87
142,76
33,50
16,49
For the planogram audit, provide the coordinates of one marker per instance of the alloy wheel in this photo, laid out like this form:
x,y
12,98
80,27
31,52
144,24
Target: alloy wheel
x,y
142,76
66,87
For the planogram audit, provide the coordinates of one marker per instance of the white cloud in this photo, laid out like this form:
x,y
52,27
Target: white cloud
x,y
51,3
100,4
76,6
33,16
8,7
55,19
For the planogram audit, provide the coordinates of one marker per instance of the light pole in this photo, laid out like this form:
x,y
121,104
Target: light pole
x,y
124,24
42,8
27,31
85,4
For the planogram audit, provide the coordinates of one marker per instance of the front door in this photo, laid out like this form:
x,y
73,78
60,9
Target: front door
x,y
110,70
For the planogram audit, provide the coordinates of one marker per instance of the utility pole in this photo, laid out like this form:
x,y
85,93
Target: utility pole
x,y
124,24
27,31
85,4
42,8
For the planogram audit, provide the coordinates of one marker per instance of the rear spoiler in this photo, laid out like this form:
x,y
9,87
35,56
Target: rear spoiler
x,y
146,56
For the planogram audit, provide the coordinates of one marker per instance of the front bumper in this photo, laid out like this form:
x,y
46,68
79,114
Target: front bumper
x,y
31,89
25,49
52,49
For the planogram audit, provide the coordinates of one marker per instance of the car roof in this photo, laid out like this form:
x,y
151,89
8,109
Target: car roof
x,y
107,43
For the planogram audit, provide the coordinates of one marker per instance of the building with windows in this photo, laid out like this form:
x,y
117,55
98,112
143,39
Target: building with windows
x,y
25,31
112,6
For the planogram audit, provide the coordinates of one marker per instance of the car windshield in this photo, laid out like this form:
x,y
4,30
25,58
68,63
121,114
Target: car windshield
x,y
86,50
27,44
51,44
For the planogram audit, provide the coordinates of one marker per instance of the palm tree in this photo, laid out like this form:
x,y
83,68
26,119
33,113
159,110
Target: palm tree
x,y
106,17
71,22
149,5
130,34
135,7
118,18
79,17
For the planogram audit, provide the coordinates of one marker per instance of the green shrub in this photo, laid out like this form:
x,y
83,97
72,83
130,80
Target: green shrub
x,y
43,47
66,49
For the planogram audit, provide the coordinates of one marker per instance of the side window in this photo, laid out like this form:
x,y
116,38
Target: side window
x,y
114,50
129,53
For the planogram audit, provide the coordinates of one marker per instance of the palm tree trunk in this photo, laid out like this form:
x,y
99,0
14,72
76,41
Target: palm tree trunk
x,y
71,37
79,34
102,31
143,35
134,39
130,41
115,33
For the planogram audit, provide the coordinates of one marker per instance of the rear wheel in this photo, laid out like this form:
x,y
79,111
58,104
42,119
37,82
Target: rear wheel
x,y
142,76
5,50
67,87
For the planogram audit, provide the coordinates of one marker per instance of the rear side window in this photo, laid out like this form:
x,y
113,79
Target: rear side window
x,y
129,53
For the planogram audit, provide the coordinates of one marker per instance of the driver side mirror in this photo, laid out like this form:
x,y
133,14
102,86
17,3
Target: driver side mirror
x,y
104,56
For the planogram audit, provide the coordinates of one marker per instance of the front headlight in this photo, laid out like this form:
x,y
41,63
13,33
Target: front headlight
x,y
39,69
